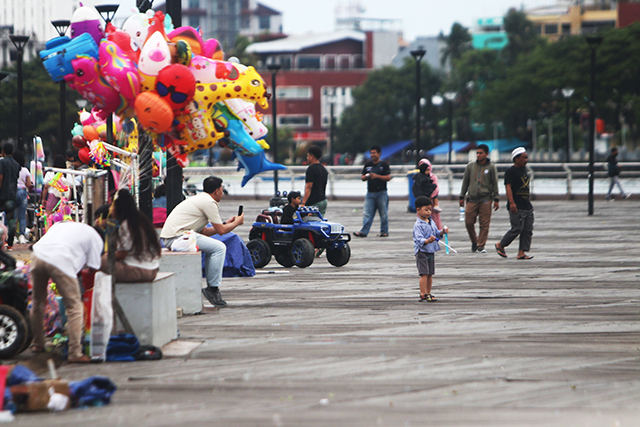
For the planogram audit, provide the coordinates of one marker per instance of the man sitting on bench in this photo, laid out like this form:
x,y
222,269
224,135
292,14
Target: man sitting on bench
x,y
194,214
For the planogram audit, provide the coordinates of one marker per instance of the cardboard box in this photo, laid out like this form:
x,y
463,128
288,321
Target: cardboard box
x,y
34,396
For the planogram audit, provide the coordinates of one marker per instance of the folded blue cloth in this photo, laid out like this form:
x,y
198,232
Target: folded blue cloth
x,y
238,262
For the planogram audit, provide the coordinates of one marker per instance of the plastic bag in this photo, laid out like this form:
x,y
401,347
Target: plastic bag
x,y
186,243
101,316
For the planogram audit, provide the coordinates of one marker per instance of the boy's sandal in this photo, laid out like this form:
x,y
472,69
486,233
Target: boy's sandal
x,y
501,252
525,257
423,298
430,298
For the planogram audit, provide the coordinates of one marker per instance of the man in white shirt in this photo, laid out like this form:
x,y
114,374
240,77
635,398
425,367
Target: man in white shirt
x,y
60,255
193,214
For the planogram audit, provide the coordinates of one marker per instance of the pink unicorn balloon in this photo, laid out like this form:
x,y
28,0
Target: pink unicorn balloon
x,y
93,87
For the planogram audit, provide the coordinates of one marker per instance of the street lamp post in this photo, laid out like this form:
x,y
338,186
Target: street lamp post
x,y
107,12
594,42
332,129
19,42
568,93
436,101
417,55
61,27
450,97
273,69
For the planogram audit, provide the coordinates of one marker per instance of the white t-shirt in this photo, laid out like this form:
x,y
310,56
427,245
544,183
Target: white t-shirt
x,y
70,246
125,243
22,178
193,213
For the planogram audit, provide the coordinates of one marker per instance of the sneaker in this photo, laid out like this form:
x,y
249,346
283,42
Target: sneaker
x,y
213,296
626,196
8,248
437,209
481,250
474,247
22,240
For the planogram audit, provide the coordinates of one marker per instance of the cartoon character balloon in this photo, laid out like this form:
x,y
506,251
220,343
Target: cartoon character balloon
x,y
176,85
86,19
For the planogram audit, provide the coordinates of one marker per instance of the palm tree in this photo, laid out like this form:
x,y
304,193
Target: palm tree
x,y
458,42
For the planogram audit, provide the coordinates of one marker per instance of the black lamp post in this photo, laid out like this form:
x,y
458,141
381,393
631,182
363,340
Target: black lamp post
x,y
450,97
273,69
568,93
594,42
61,27
107,12
417,55
332,129
19,42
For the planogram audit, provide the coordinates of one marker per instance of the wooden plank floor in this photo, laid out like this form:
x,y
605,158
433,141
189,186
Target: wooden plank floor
x,y
554,341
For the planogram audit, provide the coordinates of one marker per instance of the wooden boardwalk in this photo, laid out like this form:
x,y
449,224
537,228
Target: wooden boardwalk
x,y
554,341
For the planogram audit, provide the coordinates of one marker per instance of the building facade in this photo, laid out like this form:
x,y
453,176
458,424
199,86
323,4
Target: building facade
x,y
317,75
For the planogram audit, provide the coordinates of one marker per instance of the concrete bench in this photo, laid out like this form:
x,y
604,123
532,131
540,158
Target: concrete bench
x,y
187,267
151,309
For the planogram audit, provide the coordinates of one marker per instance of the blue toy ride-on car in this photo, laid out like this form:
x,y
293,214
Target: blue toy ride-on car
x,y
296,244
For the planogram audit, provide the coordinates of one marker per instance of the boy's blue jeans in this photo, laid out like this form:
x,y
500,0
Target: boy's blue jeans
x,y
375,201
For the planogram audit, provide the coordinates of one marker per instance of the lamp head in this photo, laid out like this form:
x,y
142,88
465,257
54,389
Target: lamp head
x,y
436,100
593,41
450,95
567,92
273,68
61,26
19,41
418,53
107,11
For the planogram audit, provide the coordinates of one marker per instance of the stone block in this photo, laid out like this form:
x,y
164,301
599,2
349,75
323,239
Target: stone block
x,y
187,267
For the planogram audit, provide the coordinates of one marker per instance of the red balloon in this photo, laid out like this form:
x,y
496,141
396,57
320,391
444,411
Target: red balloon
x,y
83,155
78,141
176,85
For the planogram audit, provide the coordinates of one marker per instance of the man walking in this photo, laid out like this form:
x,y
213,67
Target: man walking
x,y
516,182
613,170
315,181
376,173
9,173
193,214
480,183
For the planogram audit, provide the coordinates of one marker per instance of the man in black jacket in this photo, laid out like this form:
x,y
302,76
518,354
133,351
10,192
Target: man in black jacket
x,y
613,170
9,172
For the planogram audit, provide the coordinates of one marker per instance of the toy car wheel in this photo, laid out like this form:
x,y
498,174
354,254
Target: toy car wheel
x,y
260,252
339,257
284,259
13,331
302,253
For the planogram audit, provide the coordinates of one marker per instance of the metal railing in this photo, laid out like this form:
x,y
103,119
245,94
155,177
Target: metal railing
x,y
569,172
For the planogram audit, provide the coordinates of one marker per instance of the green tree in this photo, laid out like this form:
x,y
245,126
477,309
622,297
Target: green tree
x,y
384,107
41,100
239,50
521,34
457,42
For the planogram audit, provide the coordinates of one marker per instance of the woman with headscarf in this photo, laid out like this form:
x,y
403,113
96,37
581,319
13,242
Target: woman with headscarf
x,y
425,183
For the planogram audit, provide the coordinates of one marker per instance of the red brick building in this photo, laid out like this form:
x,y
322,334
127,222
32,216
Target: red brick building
x,y
317,70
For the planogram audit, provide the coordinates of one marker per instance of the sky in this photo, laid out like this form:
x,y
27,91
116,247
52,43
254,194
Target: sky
x,y
417,17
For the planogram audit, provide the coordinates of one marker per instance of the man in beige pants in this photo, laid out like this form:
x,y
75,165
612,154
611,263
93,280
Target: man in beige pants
x,y
60,255
480,181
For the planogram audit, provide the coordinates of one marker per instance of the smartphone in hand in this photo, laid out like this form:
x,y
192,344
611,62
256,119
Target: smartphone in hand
x,y
240,209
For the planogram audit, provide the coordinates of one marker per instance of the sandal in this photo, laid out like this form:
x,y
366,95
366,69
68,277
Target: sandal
x,y
525,257
81,359
430,298
423,298
359,234
383,235
501,252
